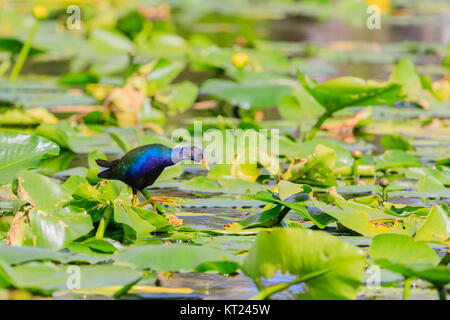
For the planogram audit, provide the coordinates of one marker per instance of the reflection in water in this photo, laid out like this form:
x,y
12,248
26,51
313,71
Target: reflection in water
x,y
214,286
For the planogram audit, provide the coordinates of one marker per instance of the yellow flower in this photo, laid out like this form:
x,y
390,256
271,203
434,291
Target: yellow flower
x,y
40,12
441,89
174,220
384,5
240,59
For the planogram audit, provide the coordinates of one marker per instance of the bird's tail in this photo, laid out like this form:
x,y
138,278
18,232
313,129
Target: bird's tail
x,y
110,164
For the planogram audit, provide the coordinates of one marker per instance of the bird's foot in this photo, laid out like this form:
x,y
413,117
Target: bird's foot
x,y
163,199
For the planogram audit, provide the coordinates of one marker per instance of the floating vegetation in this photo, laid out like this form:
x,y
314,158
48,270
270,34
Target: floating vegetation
x,y
329,154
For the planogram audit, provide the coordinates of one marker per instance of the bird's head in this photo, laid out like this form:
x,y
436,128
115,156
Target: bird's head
x,y
189,153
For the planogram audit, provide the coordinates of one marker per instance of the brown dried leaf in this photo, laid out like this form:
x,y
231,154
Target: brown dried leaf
x,y
174,220
11,235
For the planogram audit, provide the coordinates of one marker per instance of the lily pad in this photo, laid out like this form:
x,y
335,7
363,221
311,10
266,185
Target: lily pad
x,y
173,256
328,267
19,151
256,96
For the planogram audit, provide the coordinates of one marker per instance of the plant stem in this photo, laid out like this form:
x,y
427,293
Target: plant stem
x,y
445,260
384,193
282,214
355,169
146,194
317,125
406,289
24,53
104,223
122,291
362,170
441,292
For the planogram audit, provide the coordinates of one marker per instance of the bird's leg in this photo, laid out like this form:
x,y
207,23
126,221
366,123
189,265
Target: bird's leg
x,y
143,203
156,206
135,196
163,199
167,200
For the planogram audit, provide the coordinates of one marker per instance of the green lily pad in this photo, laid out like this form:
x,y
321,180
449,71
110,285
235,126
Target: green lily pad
x,y
408,257
20,151
65,226
436,227
17,255
396,159
143,221
364,219
343,92
245,95
42,192
173,257
397,142
330,268
48,277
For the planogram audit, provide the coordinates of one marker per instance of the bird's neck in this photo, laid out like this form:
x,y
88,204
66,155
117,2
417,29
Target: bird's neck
x,y
178,155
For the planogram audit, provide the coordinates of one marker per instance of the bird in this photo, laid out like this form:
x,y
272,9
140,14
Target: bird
x,y
141,166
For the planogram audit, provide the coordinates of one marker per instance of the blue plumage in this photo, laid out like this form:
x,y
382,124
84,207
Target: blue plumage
x,y
141,166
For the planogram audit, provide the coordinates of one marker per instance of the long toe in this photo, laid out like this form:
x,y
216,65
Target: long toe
x,y
163,199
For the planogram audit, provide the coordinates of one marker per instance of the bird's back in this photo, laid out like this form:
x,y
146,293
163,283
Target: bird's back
x,y
141,166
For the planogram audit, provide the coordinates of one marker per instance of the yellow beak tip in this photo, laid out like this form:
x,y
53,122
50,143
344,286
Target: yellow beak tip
x,y
204,164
